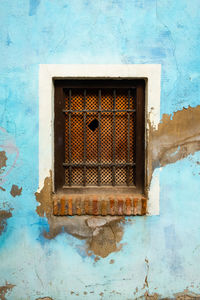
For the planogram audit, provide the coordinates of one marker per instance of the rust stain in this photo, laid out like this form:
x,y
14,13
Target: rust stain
x,y
4,215
5,289
177,136
15,190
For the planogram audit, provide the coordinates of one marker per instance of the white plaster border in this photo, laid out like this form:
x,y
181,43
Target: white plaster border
x,y
48,72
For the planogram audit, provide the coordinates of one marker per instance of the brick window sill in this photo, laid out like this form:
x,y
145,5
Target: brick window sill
x,y
101,205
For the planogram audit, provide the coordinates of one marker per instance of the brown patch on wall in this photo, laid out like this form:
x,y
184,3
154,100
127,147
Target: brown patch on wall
x,y
3,159
4,215
5,289
102,234
44,197
185,295
15,190
177,136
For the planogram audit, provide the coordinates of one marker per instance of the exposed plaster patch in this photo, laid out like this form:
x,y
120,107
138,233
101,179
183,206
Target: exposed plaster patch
x,y
3,159
15,190
102,234
101,240
5,289
175,138
44,197
185,295
4,215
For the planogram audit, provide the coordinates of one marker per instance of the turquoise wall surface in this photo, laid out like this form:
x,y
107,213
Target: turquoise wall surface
x,y
159,254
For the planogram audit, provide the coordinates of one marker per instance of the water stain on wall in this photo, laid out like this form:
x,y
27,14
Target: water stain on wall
x,y
15,190
4,215
5,289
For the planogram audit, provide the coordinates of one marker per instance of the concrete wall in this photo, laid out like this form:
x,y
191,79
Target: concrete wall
x,y
150,257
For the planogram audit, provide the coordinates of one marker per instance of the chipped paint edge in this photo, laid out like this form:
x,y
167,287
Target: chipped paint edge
x,y
48,72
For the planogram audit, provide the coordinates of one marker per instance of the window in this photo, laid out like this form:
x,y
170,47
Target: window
x,y
91,199
99,146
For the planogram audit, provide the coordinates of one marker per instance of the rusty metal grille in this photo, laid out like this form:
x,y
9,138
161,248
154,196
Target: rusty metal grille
x,y
100,136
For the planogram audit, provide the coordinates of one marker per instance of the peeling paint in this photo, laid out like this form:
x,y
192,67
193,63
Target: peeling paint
x,y
15,190
5,289
177,137
3,159
44,197
186,295
100,240
4,215
102,234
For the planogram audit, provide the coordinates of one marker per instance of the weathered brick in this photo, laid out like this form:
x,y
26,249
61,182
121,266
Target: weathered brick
x,y
128,206
120,207
95,205
112,206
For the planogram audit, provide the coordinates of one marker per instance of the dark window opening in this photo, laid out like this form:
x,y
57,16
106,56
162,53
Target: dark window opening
x,y
93,125
99,134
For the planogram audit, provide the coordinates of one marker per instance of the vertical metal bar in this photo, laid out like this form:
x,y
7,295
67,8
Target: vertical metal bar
x,y
99,140
69,129
114,138
128,139
84,138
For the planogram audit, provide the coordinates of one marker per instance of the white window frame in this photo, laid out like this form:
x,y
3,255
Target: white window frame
x,y
48,72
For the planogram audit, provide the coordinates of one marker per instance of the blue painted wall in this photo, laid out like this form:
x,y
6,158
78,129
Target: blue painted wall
x,y
103,31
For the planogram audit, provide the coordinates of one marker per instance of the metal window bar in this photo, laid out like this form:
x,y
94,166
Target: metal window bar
x,y
128,140
99,141
99,164
84,137
114,139
69,138
102,111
